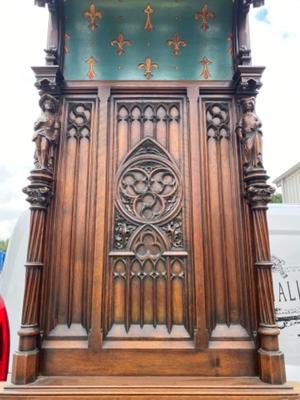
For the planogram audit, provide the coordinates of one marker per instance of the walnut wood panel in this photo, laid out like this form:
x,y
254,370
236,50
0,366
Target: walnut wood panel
x,y
70,255
226,264
148,284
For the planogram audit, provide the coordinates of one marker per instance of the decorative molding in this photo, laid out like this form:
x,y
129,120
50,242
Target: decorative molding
x,y
48,78
217,121
51,55
79,120
247,80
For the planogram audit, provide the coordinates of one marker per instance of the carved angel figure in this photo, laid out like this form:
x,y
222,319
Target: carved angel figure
x,y
46,130
250,134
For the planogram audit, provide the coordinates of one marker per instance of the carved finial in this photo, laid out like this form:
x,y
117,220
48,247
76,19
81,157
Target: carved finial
x,y
121,42
46,130
176,43
148,65
205,15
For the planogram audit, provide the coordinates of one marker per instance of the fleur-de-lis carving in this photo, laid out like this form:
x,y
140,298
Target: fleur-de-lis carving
x,y
148,65
66,47
148,10
91,71
121,42
176,43
92,13
205,71
205,14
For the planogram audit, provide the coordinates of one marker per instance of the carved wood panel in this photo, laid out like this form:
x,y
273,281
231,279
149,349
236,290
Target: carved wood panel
x,y
148,276
68,294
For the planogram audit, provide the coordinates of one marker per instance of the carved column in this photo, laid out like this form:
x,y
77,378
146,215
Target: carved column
x,y
39,193
258,194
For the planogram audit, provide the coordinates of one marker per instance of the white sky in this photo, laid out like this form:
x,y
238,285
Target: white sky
x,y
23,27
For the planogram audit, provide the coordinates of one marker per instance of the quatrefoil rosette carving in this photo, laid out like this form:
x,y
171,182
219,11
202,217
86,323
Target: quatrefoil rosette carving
x,y
149,188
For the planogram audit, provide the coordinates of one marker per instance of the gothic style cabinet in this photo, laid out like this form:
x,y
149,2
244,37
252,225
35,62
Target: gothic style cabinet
x,y
148,272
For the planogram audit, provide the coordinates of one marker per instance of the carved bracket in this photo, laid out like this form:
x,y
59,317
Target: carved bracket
x,y
247,80
48,78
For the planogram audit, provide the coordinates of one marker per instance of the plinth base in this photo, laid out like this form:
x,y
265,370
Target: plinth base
x,y
147,388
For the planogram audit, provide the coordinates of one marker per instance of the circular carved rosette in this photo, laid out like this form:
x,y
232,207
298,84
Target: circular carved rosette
x,y
148,189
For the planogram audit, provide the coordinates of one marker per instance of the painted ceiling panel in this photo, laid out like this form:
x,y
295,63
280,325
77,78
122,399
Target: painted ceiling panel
x,y
159,40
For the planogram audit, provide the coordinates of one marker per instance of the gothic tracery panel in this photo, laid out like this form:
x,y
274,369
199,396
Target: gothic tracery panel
x,y
148,260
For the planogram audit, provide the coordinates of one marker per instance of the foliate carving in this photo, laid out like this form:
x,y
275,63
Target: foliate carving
x,y
148,188
217,121
173,229
79,120
250,134
38,197
46,130
259,195
123,231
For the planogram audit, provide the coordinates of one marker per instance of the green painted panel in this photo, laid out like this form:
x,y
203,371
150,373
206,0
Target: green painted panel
x,y
128,17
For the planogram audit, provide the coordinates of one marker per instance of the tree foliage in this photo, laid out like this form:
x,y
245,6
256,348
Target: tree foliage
x,y
3,245
276,198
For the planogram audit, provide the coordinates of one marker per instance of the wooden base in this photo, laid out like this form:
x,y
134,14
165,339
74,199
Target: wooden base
x,y
148,388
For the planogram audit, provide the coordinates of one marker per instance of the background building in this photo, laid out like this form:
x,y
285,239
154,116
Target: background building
x,y
289,181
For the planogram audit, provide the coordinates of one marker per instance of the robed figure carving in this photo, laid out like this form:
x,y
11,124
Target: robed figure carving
x,y
250,134
46,130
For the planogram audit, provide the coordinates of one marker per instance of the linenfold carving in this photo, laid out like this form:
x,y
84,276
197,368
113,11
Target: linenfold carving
x,y
250,134
46,131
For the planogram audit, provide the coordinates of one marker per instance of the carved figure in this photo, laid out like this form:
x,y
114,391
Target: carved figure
x,y
46,130
250,134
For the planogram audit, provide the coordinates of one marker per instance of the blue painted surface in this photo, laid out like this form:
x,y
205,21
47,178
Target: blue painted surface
x,y
128,17
2,258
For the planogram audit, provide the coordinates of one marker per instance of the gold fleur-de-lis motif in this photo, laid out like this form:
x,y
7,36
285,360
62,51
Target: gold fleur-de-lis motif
x,y
176,43
92,13
148,10
205,14
121,42
91,71
205,71
230,43
148,66
66,47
